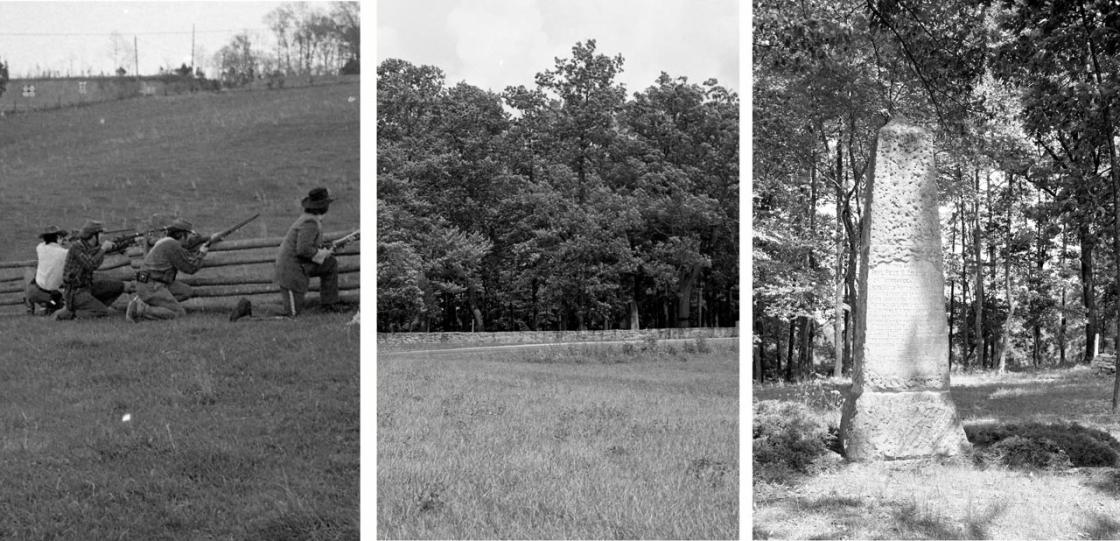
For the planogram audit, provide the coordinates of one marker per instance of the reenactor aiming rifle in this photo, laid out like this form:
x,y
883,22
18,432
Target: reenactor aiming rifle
x,y
196,241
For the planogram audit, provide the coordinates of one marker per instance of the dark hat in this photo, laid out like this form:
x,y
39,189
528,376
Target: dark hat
x,y
53,230
317,198
179,224
90,228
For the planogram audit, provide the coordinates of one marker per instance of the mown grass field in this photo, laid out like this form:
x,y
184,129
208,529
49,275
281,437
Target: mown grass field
x,y
234,431
588,442
213,158
954,499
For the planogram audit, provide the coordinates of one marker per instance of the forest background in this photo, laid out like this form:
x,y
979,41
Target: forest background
x,y
1022,99
568,206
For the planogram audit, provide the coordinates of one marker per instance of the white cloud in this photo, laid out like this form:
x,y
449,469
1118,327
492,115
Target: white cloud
x,y
495,43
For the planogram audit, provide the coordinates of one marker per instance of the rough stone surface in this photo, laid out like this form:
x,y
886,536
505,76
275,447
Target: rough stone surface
x,y
899,405
902,425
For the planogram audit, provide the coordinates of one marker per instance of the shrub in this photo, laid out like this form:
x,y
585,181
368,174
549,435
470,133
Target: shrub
x,y
1020,452
788,435
1084,447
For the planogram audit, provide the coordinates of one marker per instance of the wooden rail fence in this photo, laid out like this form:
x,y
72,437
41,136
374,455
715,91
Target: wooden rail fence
x,y
233,269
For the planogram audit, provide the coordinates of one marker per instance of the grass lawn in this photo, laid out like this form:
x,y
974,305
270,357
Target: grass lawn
x,y
189,429
213,158
954,499
586,442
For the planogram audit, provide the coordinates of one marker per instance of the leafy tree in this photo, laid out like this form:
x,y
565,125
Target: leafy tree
x,y
1060,55
554,207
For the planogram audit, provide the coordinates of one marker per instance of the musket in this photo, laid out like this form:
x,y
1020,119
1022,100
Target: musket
x,y
217,237
343,241
122,242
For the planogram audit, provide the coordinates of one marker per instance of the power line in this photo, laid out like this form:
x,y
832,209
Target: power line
x,y
87,34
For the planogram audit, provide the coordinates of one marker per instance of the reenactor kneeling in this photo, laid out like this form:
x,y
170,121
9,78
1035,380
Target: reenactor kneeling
x,y
158,293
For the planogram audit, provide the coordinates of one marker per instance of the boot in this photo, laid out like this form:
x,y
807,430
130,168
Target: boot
x,y
243,308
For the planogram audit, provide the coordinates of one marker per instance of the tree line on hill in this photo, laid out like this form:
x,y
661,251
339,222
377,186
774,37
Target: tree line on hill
x,y
568,205
1022,98
309,41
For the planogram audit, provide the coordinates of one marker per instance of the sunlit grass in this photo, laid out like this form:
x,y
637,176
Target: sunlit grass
x,y
566,444
955,499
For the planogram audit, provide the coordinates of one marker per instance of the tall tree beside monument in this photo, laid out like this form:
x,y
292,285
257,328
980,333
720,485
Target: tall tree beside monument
x,y
899,405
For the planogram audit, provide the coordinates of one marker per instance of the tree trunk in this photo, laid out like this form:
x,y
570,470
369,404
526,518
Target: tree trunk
x,y
1088,242
838,297
805,355
472,297
684,295
952,290
965,338
978,290
760,353
1006,331
790,362
1062,320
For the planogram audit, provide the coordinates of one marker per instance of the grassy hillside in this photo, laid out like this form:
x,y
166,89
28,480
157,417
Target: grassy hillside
x,y
190,429
210,157
584,442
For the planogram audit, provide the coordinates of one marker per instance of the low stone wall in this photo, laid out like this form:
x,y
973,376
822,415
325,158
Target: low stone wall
x,y
391,340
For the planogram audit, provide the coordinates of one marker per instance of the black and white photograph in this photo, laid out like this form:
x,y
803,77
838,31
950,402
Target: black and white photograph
x,y
935,258
180,270
558,270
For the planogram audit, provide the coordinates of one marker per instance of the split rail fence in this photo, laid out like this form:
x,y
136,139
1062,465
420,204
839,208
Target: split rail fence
x,y
233,269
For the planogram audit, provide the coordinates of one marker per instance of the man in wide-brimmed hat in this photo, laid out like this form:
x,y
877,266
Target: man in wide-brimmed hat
x,y
84,296
45,289
158,293
302,257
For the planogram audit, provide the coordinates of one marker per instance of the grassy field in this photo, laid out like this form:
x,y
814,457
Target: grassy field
x,y
189,429
246,431
591,442
214,158
954,499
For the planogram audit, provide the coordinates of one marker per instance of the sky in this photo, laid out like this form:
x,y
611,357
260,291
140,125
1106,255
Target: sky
x,y
75,37
492,44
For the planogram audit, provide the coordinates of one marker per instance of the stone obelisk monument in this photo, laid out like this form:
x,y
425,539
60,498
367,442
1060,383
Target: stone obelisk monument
x,y
899,405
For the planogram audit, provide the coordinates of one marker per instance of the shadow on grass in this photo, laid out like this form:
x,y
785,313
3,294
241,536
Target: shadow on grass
x,y
1074,395
852,517
1106,481
1102,527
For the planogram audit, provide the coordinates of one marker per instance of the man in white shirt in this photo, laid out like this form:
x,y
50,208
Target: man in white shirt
x,y
44,290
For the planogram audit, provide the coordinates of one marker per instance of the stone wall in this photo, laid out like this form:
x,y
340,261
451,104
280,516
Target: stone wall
x,y
538,337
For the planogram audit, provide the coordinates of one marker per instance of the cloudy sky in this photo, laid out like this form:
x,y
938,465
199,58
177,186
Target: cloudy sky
x,y
496,43
76,37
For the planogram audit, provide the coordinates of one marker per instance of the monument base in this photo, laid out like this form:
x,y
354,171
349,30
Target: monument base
x,y
899,425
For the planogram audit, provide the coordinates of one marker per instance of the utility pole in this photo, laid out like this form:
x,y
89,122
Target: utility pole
x,y
136,56
192,49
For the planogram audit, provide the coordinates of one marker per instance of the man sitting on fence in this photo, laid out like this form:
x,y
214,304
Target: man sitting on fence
x,y
84,296
44,290
157,295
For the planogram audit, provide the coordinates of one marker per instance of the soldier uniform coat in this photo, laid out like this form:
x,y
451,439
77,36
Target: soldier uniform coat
x,y
295,266
293,262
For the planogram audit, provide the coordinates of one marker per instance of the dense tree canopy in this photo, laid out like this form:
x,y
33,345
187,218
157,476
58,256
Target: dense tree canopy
x,y
569,205
1021,96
